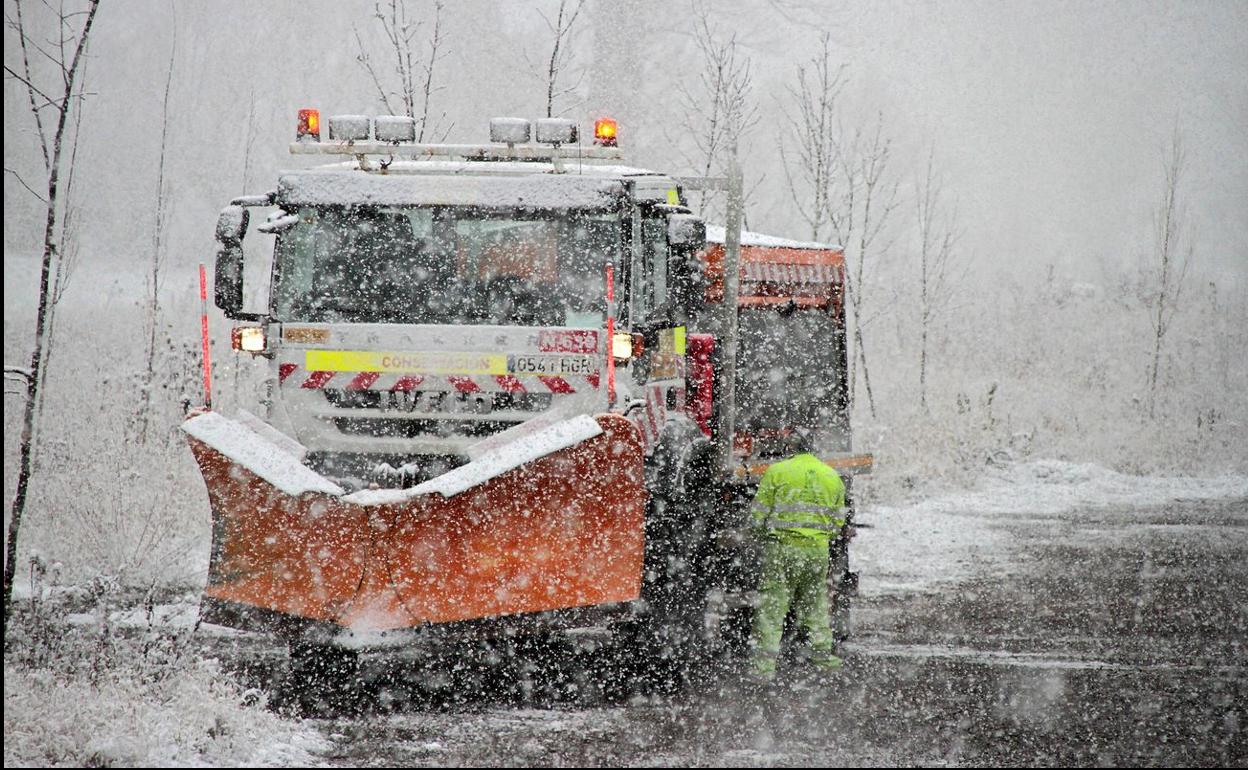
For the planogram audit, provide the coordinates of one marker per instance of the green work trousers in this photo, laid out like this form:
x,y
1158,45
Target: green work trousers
x,y
794,573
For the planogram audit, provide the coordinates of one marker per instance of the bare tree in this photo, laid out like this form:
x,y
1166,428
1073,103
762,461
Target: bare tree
x,y
841,185
860,213
159,253
719,110
812,171
1166,271
66,87
68,260
560,60
938,235
436,51
400,32
413,73
249,138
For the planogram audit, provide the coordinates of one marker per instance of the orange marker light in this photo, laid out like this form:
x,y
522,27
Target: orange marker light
x,y
605,132
309,124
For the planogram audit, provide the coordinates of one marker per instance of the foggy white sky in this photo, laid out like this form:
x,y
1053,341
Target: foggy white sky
x,y
1048,119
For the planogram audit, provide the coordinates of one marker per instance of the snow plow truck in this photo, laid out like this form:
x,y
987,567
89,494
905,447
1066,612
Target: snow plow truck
x,y
498,395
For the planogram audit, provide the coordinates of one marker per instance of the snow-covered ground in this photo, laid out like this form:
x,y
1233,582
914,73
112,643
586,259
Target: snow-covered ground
x,y
131,701
950,537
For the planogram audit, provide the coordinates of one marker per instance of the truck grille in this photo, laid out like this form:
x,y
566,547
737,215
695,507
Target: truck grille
x,y
437,401
409,428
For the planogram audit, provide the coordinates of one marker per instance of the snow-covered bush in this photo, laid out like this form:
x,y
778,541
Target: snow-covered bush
x,y
89,684
127,707
1055,369
116,492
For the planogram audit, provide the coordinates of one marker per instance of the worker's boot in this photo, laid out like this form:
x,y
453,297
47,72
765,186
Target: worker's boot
x,y
825,662
762,670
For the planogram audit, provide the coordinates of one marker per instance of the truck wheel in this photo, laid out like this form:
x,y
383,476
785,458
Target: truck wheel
x,y
842,583
845,587
320,679
671,635
734,630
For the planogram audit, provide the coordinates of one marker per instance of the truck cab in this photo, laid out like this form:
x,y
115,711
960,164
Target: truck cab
x,y
419,307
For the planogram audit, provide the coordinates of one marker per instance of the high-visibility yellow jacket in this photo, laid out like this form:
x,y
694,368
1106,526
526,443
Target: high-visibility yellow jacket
x,y
802,497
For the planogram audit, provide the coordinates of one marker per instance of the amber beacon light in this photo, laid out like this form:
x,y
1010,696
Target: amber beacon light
x,y
309,125
605,132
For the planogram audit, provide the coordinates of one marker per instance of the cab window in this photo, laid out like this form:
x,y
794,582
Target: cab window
x,y
654,263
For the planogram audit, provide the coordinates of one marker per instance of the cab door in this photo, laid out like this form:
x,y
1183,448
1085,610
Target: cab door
x,y
659,370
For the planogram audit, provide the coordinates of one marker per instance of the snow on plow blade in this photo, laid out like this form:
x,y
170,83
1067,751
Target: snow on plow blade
x,y
550,522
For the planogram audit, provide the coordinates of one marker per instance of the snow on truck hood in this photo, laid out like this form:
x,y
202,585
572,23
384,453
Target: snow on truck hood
x,y
340,186
274,463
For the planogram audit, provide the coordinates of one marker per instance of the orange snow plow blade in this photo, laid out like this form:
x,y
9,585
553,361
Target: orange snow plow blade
x,y
499,536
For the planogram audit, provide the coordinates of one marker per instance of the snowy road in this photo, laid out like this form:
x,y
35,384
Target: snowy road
x,y
1104,629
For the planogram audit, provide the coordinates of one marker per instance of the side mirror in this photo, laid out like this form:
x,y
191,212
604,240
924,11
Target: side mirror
x,y
232,225
686,238
228,275
686,233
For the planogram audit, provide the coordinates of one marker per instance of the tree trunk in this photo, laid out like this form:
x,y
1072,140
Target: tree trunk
x,y
50,251
158,247
923,367
866,375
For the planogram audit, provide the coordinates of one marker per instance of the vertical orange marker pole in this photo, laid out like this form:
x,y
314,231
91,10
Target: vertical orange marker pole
x,y
610,335
203,333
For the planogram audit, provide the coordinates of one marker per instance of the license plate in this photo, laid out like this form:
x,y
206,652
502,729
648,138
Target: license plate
x,y
411,400
554,365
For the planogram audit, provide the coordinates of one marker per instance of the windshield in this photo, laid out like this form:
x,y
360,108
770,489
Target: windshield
x,y
445,265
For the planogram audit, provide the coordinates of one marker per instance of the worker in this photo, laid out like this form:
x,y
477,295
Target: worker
x,y
797,511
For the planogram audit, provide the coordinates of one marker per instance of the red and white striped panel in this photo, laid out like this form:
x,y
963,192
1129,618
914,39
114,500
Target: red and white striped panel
x,y
651,418
294,376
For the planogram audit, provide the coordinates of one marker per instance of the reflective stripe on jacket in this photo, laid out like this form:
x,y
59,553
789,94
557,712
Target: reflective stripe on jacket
x,y
801,495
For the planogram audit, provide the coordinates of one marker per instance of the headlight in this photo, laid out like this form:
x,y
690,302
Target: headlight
x,y
248,339
625,347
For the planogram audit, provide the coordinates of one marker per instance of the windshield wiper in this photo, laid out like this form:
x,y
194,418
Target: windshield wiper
x,y
342,306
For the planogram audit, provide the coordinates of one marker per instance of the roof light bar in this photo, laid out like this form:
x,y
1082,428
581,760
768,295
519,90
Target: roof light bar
x,y
392,136
456,151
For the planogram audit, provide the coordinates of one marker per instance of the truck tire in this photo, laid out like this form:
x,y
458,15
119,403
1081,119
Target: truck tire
x,y
842,583
669,636
320,679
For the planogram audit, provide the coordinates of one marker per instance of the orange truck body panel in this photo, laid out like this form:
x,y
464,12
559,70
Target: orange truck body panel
x,y
560,532
777,275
